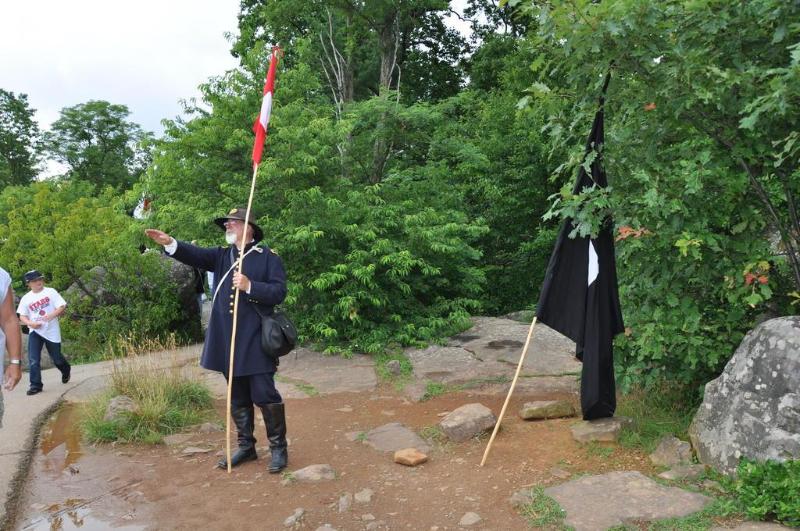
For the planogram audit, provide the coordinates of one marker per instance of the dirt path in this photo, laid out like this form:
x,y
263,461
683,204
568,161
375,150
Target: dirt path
x,y
129,487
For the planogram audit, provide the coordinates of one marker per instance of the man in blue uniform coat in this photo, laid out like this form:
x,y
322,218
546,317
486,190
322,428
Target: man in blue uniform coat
x,y
263,282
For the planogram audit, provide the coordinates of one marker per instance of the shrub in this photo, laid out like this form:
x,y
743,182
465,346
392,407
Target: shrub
x,y
770,490
167,399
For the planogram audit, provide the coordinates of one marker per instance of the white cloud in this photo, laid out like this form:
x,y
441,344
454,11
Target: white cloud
x,y
147,54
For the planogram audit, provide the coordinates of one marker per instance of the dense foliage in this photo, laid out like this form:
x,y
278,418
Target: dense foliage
x,y
770,490
88,249
98,144
702,156
415,177
19,138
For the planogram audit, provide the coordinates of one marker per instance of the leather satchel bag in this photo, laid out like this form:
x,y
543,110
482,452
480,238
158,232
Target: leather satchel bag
x,y
278,333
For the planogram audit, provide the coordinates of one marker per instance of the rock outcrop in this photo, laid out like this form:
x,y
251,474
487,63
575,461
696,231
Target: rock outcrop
x,y
753,409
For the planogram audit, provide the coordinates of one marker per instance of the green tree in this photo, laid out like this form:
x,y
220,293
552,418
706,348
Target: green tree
x,y
99,144
85,241
702,156
362,48
19,139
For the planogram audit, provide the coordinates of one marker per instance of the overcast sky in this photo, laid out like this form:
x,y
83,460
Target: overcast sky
x,y
145,54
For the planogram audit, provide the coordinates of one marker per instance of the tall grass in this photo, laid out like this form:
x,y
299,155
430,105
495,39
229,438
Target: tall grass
x,y
167,397
657,411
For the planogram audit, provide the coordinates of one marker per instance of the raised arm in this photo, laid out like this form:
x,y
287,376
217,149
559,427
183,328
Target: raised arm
x,y
187,253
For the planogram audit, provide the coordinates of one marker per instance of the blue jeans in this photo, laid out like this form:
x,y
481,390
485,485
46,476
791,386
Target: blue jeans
x,y
35,343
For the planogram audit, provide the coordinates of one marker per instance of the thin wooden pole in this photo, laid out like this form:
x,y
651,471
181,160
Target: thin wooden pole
x,y
235,315
510,391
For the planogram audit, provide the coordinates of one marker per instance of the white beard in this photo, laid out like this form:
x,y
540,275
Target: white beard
x,y
230,238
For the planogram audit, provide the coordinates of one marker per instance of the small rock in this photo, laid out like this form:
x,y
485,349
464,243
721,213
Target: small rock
x,y
345,501
194,450
118,405
345,409
72,469
409,457
326,527
469,519
367,517
375,525
547,409
683,472
314,473
671,451
364,496
467,421
295,518
520,498
38,506
393,366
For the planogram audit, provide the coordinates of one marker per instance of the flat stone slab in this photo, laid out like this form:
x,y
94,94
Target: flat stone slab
x,y
452,365
329,374
502,340
595,503
394,436
603,430
534,386
491,350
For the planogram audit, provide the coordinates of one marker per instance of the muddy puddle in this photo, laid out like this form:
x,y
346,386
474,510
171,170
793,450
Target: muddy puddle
x,y
66,490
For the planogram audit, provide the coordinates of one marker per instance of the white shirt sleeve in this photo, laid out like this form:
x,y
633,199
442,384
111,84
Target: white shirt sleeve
x,y
58,300
171,247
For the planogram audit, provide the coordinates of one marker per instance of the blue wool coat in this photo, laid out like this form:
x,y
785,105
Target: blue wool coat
x,y
267,276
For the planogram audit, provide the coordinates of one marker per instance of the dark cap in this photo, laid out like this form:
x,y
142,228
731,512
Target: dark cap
x,y
239,213
32,275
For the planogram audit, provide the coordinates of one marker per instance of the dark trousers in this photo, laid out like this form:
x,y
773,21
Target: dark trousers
x,y
258,389
35,344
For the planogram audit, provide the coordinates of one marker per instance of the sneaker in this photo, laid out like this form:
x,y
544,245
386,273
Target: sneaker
x,y
33,391
66,374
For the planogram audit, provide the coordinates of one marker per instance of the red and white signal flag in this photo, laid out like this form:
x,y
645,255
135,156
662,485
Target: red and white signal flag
x,y
260,127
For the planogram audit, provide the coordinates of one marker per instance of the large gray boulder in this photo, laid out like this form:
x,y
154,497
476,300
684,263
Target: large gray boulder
x,y
753,409
96,286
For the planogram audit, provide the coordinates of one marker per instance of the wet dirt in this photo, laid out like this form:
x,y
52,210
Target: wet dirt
x,y
142,487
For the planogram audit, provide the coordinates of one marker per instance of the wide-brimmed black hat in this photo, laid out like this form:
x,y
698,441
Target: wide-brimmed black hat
x,y
32,275
239,213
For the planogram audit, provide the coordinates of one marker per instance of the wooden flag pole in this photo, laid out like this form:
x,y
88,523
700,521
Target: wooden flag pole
x,y
235,315
510,391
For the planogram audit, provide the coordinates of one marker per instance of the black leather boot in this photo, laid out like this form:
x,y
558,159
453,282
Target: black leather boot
x,y
244,419
275,419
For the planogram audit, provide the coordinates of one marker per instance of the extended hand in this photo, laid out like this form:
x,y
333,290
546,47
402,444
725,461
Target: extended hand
x,y
241,282
161,238
12,376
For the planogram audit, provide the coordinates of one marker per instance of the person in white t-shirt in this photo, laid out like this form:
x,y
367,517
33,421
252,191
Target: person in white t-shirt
x,y
39,309
10,337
